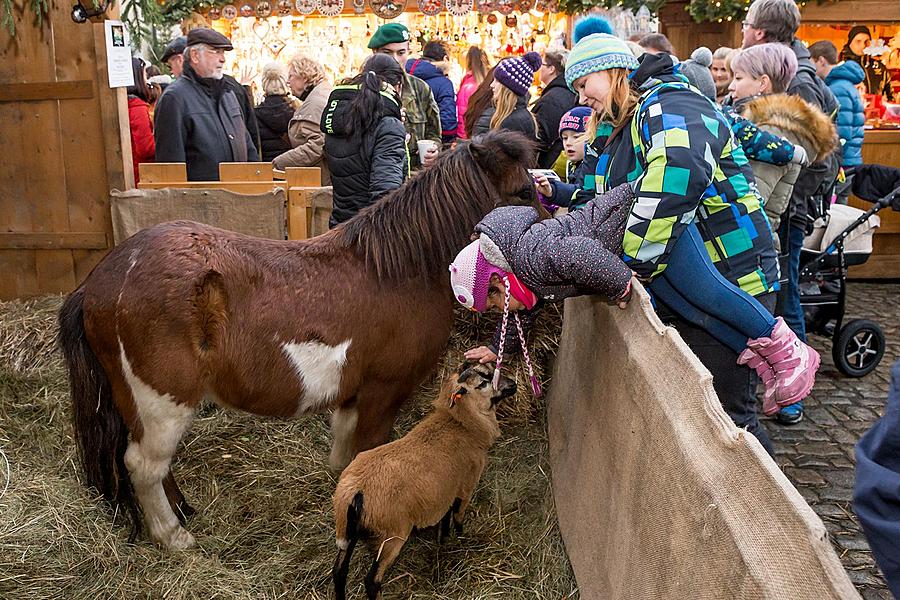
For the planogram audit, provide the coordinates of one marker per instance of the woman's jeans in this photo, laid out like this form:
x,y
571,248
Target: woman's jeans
x,y
693,288
789,297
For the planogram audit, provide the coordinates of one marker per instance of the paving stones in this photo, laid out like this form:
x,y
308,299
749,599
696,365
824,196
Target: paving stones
x,y
817,454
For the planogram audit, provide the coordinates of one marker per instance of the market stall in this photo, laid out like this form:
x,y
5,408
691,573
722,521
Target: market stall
x,y
880,58
336,34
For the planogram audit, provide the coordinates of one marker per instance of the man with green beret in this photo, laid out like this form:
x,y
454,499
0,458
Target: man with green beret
x,y
422,117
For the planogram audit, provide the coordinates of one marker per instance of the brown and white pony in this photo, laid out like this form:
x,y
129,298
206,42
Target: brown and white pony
x,y
352,321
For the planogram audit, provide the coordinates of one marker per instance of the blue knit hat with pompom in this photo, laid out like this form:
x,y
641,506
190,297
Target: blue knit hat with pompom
x,y
596,50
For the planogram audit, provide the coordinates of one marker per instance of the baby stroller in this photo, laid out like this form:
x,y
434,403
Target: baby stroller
x,y
841,240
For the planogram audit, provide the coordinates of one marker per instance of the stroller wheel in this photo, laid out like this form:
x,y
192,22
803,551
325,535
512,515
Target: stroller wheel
x,y
858,347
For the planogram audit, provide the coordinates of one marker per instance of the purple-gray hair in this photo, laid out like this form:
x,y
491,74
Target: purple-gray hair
x,y
775,60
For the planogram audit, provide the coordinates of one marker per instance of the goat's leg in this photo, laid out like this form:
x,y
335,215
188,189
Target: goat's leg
x,y
385,556
459,511
444,528
340,569
454,510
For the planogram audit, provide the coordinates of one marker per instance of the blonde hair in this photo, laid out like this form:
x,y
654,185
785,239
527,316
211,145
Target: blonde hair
x,y
307,68
619,104
274,80
504,105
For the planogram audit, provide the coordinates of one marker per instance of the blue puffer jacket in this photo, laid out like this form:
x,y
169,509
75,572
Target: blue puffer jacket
x,y
851,118
442,88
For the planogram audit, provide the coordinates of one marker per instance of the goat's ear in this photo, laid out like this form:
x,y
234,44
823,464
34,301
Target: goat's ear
x,y
456,396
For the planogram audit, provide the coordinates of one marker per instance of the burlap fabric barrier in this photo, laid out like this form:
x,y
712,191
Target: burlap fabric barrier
x,y
321,203
260,215
659,495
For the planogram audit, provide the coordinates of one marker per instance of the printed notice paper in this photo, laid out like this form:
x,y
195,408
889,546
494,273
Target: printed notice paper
x,y
118,54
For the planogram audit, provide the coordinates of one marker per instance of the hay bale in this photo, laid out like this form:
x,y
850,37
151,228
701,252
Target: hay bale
x,y
263,494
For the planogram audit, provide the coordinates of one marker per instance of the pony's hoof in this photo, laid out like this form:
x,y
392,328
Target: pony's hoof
x,y
180,539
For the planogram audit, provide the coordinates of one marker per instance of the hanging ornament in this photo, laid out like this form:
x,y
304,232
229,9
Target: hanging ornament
x,y
285,8
263,9
305,7
485,6
492,19
523,6
331,8
387,9
505,7
460,8
229,12
430,7
247,10
214,13
359,6
512,21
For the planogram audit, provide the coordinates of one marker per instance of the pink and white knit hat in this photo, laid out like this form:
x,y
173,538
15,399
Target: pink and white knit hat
x,y
470,277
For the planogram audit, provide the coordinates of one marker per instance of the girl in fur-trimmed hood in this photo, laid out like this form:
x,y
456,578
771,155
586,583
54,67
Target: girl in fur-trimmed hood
x,y
758,89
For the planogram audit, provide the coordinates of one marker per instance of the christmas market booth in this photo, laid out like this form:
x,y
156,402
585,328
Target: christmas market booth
x,y
335,33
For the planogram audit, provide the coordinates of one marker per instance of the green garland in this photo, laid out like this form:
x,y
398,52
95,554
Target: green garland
x,y
574,7
727,10
148,20
40,8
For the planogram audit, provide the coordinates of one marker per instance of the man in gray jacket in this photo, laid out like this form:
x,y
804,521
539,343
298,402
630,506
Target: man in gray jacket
x,y
198,120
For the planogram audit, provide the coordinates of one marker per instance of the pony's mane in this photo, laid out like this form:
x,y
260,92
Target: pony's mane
x,y
417,229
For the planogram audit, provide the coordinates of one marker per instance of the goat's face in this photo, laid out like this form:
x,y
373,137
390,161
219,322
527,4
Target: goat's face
x,y
474,387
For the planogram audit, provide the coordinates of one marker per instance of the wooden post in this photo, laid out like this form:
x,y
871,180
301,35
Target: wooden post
x,y
114,117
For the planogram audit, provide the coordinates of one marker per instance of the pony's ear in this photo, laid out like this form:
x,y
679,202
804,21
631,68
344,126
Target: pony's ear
x,y
483,155
456,397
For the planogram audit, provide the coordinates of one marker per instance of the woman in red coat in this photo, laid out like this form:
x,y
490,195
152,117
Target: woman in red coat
x,y
143,148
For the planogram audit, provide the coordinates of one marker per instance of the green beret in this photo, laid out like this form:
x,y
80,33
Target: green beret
x,y
389,33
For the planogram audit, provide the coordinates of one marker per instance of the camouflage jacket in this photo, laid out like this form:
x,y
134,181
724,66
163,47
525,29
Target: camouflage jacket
x,y
421,116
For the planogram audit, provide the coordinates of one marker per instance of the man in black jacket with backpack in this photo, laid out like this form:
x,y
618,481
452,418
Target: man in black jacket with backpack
x,y
777,21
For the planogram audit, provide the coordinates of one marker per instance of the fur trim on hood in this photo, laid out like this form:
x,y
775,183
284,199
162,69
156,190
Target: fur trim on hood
x,y
793,115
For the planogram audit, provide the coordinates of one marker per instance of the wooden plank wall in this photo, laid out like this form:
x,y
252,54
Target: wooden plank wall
x,y
61,150
686,35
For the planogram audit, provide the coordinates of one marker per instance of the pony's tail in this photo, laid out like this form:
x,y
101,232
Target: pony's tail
x,y
100,432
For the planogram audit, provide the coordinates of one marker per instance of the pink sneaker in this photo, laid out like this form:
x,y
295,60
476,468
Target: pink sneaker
x,y
753,360
794,363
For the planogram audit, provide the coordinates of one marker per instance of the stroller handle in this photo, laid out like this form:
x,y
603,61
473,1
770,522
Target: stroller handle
x,y
892,200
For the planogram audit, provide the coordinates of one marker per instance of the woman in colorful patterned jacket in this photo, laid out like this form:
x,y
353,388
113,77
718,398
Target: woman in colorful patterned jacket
x,y
692,184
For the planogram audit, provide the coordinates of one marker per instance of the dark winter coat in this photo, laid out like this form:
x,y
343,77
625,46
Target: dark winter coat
x,y
143,149
679,153
876,495
245,101
274,116
364,165
434,74
572,255
198,121
815,177
842,82
520,120
555,101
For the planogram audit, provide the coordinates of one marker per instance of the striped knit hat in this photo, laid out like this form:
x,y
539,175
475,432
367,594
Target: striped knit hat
x,y
598,52
518,73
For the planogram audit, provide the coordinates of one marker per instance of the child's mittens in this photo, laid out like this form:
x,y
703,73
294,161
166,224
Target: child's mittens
x,y
800,156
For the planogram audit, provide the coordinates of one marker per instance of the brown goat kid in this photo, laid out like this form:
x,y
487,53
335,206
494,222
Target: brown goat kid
x,y
424,478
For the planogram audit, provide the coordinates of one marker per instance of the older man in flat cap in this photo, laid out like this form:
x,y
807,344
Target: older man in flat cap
x,y
173,57
198,120
422,116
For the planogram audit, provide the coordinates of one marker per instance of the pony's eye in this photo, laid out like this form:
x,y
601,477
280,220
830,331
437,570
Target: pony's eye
x,y
483,384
